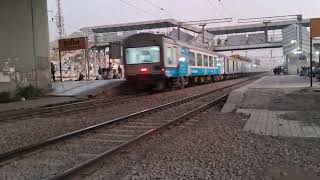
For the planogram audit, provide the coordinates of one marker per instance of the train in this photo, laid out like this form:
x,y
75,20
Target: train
x,y
158,61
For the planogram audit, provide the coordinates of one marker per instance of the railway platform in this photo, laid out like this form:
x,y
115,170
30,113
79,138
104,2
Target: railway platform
x,y
84,88
66,92
36,103
279,106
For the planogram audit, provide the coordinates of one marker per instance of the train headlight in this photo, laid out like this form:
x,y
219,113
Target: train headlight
x,y
144,70
182,59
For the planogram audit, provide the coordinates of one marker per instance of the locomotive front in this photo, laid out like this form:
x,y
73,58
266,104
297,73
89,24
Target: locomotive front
x,y
143,60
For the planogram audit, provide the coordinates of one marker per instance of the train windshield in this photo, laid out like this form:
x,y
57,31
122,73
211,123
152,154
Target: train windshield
x,y
143,55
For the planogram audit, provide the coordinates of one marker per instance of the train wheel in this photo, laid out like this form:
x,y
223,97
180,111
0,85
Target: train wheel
x,y
202,80
209,79
182,82
213,79
160,86
196,80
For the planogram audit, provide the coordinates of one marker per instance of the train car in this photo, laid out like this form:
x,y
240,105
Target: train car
x,y
158,61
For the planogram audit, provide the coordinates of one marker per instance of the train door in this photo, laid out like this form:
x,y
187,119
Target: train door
x,y
220,65
183,63
228,66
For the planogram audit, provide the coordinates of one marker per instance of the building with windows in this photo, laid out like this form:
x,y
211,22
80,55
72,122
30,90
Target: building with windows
x,y
296,48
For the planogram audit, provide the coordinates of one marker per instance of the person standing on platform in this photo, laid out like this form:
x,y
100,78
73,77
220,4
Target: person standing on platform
x,y
100,71
115,75
81,77
278,71
108,72
120,72
53,71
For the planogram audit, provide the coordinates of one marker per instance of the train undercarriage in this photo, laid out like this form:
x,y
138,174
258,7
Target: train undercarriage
x,y
159,83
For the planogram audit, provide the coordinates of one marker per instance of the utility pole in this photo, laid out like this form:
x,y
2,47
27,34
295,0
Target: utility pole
x,y
60,20
61,32
203,31
299,17
266,30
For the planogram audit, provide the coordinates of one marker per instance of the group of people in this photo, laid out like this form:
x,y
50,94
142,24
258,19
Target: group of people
x,y
109,73
305,71
103,73
277,71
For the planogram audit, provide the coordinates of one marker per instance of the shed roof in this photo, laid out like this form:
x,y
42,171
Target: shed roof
x,y
155,24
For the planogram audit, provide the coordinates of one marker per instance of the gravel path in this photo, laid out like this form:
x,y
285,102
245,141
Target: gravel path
x,y
26,132
216,148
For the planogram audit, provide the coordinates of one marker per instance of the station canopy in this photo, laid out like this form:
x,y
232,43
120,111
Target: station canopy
x,y
255,27
143,25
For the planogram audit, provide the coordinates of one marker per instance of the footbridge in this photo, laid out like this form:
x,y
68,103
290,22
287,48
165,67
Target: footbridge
x,y
227,38
252,36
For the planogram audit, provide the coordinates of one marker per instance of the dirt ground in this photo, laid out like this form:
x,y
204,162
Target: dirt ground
x,y
304,99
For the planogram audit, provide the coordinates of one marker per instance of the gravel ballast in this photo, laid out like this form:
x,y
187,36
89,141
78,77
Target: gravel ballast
x,y
62,156
25,132
215,148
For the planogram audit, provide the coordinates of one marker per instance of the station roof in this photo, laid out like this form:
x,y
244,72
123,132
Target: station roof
x,y
143,25
255,27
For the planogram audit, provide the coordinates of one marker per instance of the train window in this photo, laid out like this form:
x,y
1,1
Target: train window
x,y
192,58
228,67
215,63
205,60
211,61
169,55
232,65
199,60
143,55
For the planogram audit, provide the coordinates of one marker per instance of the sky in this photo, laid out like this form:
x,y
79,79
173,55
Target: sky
x,y
82,13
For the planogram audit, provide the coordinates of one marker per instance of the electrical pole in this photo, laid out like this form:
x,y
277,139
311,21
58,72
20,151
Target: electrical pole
x,y
61,32
299,17
203,32
266,30
60,20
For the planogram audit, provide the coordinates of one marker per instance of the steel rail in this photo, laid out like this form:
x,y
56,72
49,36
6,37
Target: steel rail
x,y
179,119
24,150
27,149
9,115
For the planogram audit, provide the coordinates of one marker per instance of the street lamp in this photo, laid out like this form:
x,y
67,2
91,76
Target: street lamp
x,y
298,52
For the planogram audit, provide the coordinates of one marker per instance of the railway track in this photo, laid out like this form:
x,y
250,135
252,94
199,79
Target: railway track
x,y
60,157
63,108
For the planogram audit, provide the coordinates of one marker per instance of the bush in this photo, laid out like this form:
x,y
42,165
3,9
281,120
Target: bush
x,y
5,97
28,92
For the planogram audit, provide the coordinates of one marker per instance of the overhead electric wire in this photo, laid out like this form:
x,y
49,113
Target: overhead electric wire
x,y
226,9
214,9
154,5
140,9
217,9
160,8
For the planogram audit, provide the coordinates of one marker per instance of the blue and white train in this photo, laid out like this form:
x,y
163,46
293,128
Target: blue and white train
x,y
158,61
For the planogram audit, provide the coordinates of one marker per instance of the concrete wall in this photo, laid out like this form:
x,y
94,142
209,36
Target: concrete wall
x,y
24,44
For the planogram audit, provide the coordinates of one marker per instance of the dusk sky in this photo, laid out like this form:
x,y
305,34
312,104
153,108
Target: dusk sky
x,y
82,13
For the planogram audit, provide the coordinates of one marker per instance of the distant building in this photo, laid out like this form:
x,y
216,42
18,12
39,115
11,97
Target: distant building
x,y
295,58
